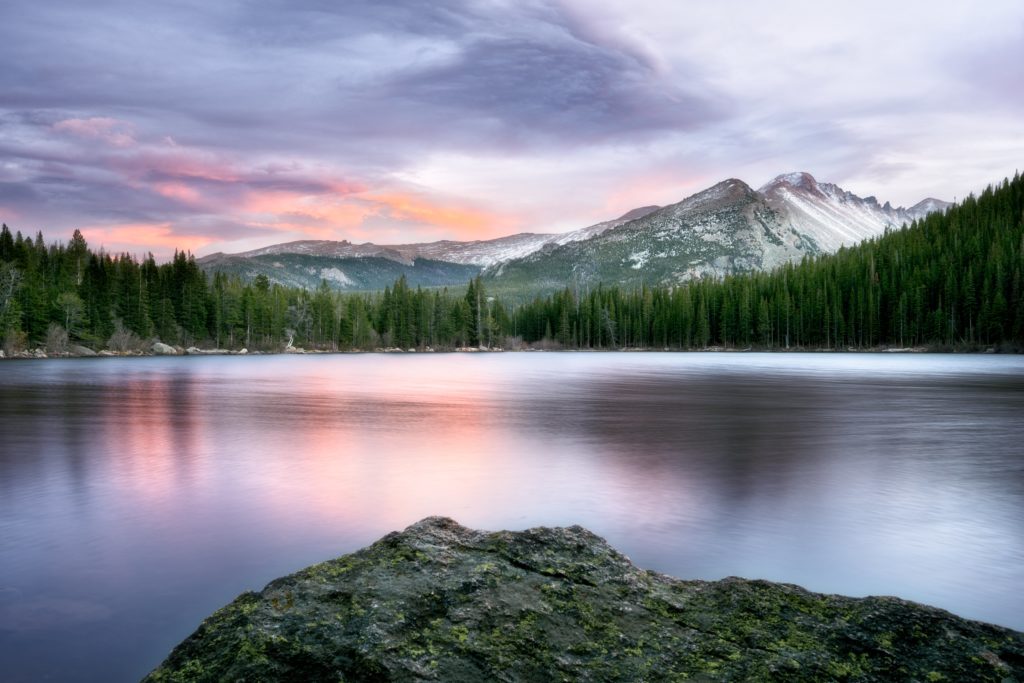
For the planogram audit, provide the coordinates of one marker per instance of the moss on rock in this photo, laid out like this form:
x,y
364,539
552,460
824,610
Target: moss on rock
x,y
442,602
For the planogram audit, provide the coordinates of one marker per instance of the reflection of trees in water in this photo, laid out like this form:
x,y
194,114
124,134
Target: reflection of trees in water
x,y
752,435
83,421
45,424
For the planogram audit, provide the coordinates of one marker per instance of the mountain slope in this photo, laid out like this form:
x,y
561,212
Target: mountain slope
x,y
833,217
348,273
951,280
727,228
305,262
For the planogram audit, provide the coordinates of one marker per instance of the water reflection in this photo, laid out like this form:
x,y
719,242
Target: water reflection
x,y
138,495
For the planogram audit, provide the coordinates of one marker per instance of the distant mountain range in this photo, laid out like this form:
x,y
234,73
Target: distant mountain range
x,y
727,228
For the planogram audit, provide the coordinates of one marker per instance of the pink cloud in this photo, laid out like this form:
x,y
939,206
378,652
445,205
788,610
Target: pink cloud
x,y
285,195
112,131
179,191
176,162
138,238
465,222
333,216
664,186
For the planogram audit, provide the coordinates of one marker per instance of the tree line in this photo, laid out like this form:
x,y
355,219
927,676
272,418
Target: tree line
x,y
949,280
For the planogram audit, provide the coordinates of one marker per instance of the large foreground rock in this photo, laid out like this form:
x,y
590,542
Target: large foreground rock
x,y
442,602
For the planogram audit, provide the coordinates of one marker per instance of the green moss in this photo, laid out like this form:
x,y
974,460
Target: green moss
x,y
190,671
559,605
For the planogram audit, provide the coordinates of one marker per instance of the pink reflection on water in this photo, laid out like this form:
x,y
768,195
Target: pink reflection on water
x,y
157,429
414,448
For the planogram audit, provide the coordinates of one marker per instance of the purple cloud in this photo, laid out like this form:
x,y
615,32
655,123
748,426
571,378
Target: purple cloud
x,y
259,121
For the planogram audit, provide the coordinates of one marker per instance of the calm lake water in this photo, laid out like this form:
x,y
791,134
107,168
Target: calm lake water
x,y
139,495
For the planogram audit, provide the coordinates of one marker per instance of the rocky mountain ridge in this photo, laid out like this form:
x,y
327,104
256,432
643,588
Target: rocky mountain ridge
x,y
481,253
727,228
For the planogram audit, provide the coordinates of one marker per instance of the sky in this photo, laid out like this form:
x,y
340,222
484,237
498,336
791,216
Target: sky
x,y
230,125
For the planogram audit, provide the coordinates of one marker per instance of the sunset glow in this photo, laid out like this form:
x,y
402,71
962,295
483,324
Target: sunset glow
x,y
139,238
511,340
481,120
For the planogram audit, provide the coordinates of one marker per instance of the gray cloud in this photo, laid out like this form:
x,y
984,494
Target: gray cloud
x,y
366,86
995,73
321,99
289,72
563,91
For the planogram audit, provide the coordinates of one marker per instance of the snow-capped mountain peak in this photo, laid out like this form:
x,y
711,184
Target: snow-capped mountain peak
x,y
726,228
798,180
927,206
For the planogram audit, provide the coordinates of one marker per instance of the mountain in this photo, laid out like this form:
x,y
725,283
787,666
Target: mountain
x,y
833,217
953,280
342,272
369,266
727,228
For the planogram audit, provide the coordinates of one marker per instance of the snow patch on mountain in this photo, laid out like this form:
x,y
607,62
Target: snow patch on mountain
x,y
833,217
478,252
336,276
639,258
601,228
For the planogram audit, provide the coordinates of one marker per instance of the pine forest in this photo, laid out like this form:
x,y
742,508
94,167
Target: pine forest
x,y
949,281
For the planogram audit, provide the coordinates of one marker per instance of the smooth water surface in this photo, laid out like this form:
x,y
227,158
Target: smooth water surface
x,y
139,495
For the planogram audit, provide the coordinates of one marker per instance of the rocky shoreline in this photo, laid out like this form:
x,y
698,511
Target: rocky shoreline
x,y
441,602
161,349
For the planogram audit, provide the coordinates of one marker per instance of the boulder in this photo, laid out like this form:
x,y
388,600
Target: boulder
x,y
442,602
82,351
161,349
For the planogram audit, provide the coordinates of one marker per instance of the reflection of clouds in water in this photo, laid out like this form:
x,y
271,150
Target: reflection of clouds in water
x,y
164,487
853,478
44,613
8,594
747,433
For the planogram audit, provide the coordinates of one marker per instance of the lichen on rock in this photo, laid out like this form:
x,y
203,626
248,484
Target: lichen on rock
x,y
442,602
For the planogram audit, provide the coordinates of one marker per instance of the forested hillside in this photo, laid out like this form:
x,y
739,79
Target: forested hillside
x,y
953,279
949,280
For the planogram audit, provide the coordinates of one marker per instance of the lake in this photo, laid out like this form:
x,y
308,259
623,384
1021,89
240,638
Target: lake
x,y
138,495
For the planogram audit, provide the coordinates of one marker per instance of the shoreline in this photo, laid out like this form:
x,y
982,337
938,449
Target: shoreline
x,y
84,352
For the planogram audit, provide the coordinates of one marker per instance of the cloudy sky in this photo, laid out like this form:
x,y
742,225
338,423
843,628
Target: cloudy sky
x,y
228,125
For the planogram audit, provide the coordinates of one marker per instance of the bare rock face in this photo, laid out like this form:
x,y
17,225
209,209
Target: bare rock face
x,y
81,351
161,349
442,602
